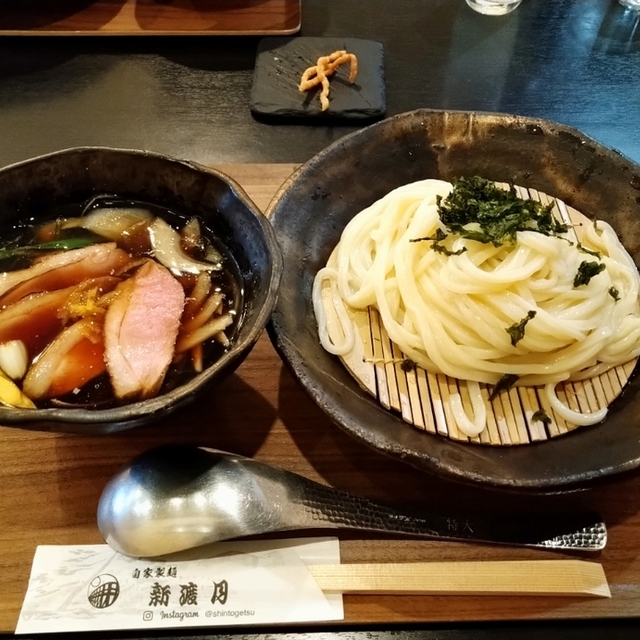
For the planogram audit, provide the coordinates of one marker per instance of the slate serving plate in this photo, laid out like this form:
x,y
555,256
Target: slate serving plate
x,y
314,205
280,63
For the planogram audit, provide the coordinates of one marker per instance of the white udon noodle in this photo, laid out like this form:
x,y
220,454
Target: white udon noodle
x,y
449,313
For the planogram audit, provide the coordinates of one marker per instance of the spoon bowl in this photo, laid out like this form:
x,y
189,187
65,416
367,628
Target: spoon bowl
x,y
175,498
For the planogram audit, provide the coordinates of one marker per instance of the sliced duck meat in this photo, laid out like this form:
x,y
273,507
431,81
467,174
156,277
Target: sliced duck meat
x,y
34,320
39,318
62,269
140,330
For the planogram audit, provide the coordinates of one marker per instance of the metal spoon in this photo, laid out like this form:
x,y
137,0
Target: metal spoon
x,y
179,497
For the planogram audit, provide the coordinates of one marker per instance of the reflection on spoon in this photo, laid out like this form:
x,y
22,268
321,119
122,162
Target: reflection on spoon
x,y
179,497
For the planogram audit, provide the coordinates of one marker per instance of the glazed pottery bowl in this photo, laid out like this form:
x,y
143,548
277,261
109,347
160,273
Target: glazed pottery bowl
x,y
313,207
31,190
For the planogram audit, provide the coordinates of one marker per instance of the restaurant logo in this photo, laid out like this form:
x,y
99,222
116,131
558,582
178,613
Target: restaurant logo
x,y
103,591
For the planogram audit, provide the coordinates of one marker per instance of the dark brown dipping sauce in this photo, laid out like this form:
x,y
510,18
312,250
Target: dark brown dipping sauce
x,y
133,234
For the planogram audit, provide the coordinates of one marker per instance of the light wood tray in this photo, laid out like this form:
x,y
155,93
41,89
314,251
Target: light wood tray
x,y
52,483
150,17
422,398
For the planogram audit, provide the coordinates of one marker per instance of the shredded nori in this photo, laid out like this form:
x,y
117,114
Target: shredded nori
x,y
595,254
447,252
614,293
516,331
586,271
506,382
541,416
436,246
479,210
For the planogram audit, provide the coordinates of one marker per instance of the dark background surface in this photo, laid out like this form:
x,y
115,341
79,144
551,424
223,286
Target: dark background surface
x,y
592,630
572,61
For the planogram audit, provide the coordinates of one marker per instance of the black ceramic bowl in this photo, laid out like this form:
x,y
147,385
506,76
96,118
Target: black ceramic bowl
x,y
32,189
314,205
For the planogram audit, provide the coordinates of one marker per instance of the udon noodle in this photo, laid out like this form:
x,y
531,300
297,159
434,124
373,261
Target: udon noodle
x,y
480,311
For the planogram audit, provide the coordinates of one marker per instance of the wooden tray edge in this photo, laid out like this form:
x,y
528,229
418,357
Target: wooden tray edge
x,y
242,30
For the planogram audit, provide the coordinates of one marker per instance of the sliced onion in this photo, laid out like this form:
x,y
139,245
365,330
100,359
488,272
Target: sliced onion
x,y
43,371
205,332
167,249
198,294
221,337
204,314
197,358
192,237
110,222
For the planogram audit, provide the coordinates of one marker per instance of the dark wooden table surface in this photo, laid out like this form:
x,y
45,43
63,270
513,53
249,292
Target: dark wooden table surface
x,y
573,61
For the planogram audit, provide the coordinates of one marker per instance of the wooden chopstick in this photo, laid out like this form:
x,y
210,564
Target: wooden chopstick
x,y
517,578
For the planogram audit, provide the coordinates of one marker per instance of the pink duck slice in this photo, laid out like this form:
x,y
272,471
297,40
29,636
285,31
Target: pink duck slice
x,y
140,330
69,267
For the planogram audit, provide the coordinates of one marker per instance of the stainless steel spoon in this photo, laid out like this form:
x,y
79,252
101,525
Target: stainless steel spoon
x,y
179,497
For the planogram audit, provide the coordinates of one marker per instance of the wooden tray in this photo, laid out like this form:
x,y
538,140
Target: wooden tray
x,y
51,484
149,17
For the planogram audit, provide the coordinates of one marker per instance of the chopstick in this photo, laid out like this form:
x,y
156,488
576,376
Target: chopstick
x,y
516,578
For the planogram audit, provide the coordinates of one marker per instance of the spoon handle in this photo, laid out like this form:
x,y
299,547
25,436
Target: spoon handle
x,y
321,505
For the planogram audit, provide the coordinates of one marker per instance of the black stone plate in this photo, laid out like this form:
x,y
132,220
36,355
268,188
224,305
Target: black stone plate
x,y
280,63
314,205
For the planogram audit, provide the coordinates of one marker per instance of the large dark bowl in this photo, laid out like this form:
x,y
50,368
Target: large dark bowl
x,y
314,205
33,188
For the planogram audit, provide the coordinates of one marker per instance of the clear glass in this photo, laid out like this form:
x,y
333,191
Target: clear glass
x,y
497,7
631,4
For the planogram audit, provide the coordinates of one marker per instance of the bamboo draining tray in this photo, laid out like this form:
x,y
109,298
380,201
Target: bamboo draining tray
x,y
150,17
51,484
421,398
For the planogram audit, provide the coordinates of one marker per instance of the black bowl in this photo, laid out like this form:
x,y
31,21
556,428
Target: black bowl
x,y
33,188
314,205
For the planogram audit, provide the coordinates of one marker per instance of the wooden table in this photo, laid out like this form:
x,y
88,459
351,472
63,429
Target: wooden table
x,y
51,484
573,61
147,17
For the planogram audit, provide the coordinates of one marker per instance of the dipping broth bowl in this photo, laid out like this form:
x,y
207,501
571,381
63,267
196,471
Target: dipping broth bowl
x,y
32,190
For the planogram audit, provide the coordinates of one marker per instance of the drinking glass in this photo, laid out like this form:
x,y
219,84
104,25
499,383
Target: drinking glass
x,y
496,7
